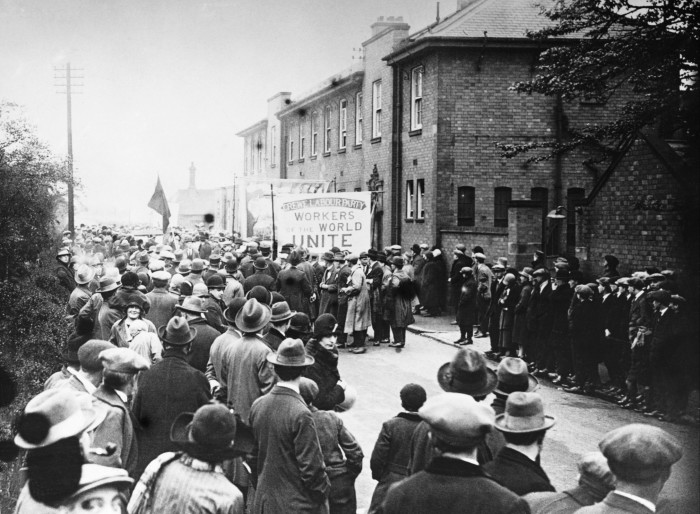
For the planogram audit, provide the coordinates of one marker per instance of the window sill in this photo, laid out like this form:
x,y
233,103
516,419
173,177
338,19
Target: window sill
x,y
416,132
422,220
301,160
409,220
342,150
290,163
375,140
313,157
358,146
326,154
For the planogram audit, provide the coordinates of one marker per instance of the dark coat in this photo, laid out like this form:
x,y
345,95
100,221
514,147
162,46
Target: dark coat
x,y
293,284
117,428
287,458
324,371
259,278
616,504
665,341
433,282
451,486
329,296
169,388
398,295
518,473
640,315
274,338
199,352
565,502
559,302
456,277
65,276
162,307
466,307
520,327
612,310
215,314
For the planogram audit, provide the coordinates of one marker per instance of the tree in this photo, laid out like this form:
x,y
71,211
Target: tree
x,y
645,49
31,183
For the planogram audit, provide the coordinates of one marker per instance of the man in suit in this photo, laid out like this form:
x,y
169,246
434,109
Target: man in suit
x,y
287,457
294,285
524,425
162,301
89,377
260,277
541,317
640,319
453,481
640,458
329,286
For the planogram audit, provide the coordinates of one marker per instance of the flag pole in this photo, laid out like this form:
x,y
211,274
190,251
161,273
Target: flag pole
x,y
274,241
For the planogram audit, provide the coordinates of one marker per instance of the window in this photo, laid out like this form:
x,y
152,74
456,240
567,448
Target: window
x,y
574,196
314,133
259,148
465,206
420,193
273,145
417,98
327,129
500,206
409,199
343,124
540,194
357,189
302,140
377,109
290,150
358,118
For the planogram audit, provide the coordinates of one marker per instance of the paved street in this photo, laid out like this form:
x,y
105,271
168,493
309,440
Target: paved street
x,y
379,374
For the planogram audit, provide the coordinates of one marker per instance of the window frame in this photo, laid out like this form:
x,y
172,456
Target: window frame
x,y
376,109
500,206
343,124
314,133
417,98
420,199
302,140
327,129
470,203
358,118
273,145
410,199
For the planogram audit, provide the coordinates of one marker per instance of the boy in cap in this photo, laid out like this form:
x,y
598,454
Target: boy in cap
x,y
89,377
640,457
454,481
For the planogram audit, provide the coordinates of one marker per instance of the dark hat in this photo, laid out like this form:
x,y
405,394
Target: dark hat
x,y
281,312
260,263
215,257
524,414
415,248
381,257
276,297
467,373
612,261
539,253
325,326
211,434
372,253
541,272
478,249
339,257
291,354
89,354
576,275
301,323
130,279
261,294
232,309
186,288
192,304
308,389
656,277
294,258
363,255
662,296
143,257
412,396
397,261
513,376
177,332
457,419
638,453
636,283
216,282
197,265
562,274
123,360
107,283
651,270
585,291
253,316
327,256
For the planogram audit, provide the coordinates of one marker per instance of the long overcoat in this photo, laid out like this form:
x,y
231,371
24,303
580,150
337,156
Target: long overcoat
x,y
117,428
294,285
433,282
359,315
399,292
466,307
520,328
329,297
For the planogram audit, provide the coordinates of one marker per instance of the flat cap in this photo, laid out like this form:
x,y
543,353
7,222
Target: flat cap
x,y
498,267
396,248
662,296
89,354
161,276
458,419
123,360
424,246
479,255
638,453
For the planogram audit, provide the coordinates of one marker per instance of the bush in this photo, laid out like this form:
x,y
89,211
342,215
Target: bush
x,y
33,330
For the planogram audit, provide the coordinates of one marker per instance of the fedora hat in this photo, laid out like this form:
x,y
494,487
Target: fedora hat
x,y
107,283
192,304
260,263
281,312
253,316
524,414
339,257
291,354
213,433
513,376
467,373
233,307
184,267
327,256
177,332
53,415
84,274
197,265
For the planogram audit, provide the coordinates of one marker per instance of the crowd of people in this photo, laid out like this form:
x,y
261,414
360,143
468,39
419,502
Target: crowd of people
x,y
202,375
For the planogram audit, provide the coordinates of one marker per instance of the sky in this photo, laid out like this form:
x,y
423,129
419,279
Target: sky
x,y
170,82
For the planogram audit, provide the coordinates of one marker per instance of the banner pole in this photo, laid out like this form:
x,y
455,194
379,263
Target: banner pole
x,y
274,240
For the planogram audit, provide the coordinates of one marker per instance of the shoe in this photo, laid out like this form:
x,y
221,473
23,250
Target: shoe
x,y
359,350
575,389
387,341
469,341
453,323
552,375
480,335
625,399
558,381
397,345
375,343
459,341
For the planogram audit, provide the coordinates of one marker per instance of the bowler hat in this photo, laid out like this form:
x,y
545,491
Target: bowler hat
x,y
513,376
177,332
232,309
291,354
467,373
253,316
260,263
192,304
524,414
457,419
301,323
281,312
639,452
84,274
107,284
89,354
261,294
197,265
211,434
216,282
53,415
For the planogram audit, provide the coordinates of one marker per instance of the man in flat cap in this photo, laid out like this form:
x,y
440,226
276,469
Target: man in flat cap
x,y
89,377
121,367
640,457
453,481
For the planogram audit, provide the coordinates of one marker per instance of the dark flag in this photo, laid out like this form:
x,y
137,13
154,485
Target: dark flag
x,y
159,203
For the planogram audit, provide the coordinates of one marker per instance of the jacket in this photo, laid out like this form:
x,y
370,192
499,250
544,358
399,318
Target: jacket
x,y
324,371
199,351
451,486
359,316
466,306
341,451
616,504
259,278
117,428
399,292
162,307
78,297
294,285
119,335
520,328
287,457
518,473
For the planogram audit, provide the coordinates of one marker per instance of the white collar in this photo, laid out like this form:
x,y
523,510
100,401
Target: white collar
x,y
289,385
122,395
89,387
459,456
639,293
543,285
649,505
662,311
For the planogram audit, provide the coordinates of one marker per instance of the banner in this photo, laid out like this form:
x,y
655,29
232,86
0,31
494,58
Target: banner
x,y
159,203
319,222
254,201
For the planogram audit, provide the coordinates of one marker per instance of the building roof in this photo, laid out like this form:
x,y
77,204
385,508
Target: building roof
x,y
253,128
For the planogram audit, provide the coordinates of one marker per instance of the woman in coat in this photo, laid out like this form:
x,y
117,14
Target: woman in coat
x,y
329,286
324,370
433,283
358,317
294,285
120,334
507,302
466,308
521,334
398,290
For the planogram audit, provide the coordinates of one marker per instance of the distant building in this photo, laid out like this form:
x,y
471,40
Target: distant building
x,y
194,204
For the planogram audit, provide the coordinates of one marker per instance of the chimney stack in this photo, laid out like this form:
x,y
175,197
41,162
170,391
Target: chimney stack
x,y
192,171
395,22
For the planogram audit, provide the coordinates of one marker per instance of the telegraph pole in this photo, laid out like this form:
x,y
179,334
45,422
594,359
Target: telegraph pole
x,y
69,116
